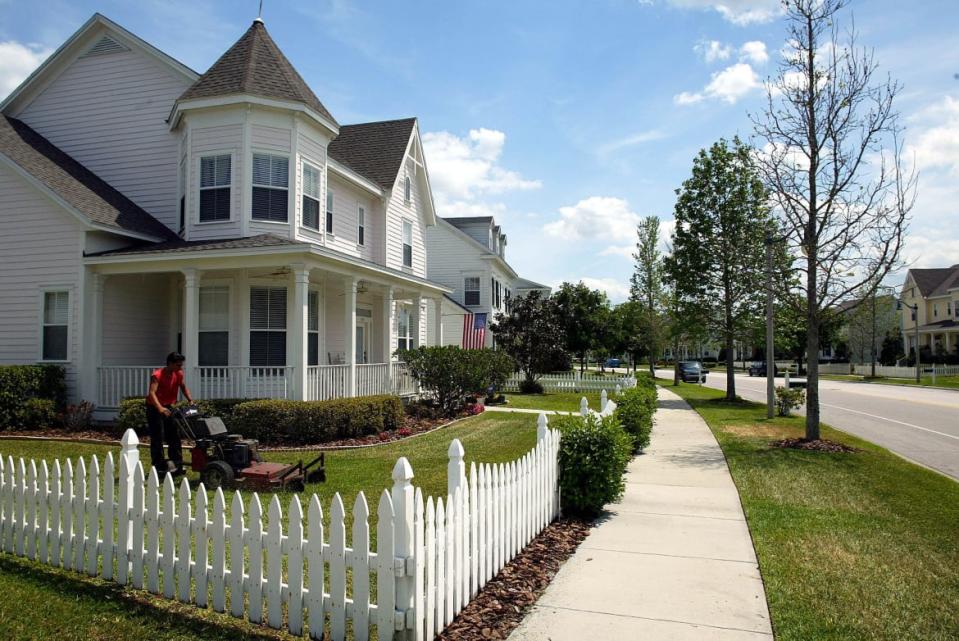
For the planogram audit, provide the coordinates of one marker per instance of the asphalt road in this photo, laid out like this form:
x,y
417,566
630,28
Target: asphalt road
x,y
919,424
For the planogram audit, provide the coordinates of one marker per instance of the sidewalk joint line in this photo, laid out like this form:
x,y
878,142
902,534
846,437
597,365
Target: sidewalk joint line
x,y
672,556
636,616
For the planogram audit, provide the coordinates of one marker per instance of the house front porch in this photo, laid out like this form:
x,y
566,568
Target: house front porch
x,y
256,326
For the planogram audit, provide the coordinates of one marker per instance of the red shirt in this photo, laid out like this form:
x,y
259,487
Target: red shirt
x,y
168,385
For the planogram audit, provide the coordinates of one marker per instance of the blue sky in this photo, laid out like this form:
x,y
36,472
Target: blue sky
x,y
568,121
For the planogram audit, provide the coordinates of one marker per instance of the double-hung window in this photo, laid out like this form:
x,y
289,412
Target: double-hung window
x,y
329,211
471,289
182,226
56,325
311,197
216,176
361,226
403,339
407,244
313,329
214,327
271,179
407,191
268,326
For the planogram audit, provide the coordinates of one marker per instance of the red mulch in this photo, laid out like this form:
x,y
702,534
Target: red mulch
x,y
501,605
819,445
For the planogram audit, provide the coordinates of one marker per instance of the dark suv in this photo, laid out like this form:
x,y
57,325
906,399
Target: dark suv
x,y
758,368
692,372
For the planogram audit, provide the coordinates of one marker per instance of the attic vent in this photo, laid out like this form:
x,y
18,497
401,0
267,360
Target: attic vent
x,y
105,45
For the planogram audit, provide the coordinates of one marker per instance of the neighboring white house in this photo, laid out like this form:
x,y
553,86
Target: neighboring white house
x,y
146,208
468,256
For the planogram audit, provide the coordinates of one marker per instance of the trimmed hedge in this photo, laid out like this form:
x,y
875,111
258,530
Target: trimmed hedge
x,y
19,383
635,408
593,455
284,422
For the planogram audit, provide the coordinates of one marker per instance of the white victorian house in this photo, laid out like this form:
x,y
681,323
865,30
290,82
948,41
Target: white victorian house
x,y
468,256
146,208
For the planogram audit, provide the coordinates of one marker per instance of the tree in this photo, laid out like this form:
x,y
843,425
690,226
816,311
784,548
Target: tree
x,y
646,286
530,332
719,254
832,162
631,338
581,313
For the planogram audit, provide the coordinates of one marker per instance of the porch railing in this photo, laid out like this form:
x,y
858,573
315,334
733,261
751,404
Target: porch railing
x,y
403,383
326,382
117,382
372,378
237,381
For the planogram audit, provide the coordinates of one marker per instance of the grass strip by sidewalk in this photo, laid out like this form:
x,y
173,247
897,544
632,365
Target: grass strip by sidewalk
x,y
558,401
851,546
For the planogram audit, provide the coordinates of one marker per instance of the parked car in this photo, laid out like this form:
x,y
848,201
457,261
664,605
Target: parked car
x,y
758,368
613,362
692,372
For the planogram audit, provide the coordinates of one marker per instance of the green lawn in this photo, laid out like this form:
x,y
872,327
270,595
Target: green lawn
x,y
925,381
40,602
561,402
851,546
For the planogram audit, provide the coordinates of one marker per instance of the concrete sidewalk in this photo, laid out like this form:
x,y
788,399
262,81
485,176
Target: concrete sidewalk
x,y
672,561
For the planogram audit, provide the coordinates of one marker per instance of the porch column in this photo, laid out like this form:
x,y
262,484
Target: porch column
x,y
438,320
415,314
92,320
299,358
388,336
191,325
349,342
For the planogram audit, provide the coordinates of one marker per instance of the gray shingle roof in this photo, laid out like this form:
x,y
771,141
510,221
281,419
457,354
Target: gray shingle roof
x,y
373,149
931,281
180,246
74,183
523,283
255,65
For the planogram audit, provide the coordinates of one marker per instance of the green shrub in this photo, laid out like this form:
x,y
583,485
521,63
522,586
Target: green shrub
x,y
133,412
593,455
453,374
788,399
37,413
635,408
529,386
308,422
18,383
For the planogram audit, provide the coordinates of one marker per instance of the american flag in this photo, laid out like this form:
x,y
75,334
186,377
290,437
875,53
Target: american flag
x,y
474,331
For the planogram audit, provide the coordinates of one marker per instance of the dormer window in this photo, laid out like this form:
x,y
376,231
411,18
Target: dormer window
x,y
216,177
311,197
407,191
271,179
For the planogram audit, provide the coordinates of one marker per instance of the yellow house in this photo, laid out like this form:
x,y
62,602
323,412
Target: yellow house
x,y
936,293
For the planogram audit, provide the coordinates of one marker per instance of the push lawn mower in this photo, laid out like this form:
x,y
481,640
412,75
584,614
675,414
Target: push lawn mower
x,y
225,459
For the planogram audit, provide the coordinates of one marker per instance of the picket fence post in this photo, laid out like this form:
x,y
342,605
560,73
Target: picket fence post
x,y
455,469
584,407
603,399
619,389
403,508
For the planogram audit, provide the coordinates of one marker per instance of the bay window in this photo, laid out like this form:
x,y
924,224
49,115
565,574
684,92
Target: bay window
x,y
271,178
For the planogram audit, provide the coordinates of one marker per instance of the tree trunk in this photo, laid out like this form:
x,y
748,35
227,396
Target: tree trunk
x,y
730,369
812,352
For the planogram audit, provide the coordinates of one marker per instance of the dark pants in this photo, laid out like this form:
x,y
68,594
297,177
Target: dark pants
x,y
162,427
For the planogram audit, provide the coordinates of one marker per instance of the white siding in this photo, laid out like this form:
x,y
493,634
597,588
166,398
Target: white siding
x,y
109,113
452,259
480,232
346,202
397,212
335,312
40,246
206,141
312,151
138,314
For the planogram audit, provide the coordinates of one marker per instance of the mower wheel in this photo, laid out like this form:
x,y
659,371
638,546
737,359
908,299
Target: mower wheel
x,y
217,474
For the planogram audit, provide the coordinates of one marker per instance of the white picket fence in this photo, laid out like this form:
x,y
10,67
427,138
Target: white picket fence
x,y
430,558
572,382
888,370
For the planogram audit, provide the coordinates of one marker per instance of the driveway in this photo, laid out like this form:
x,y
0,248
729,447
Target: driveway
x,y
919,424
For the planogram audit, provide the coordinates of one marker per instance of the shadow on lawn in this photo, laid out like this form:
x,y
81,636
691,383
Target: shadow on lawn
x,y
180,620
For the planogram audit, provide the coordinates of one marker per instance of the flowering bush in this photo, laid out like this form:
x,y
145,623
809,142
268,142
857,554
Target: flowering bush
x,y
474,409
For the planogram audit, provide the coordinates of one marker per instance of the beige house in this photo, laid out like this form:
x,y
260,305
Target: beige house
x,y
936,292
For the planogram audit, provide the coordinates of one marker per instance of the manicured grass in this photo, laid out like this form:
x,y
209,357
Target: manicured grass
x,y
851,546
40,602
560,402
925,381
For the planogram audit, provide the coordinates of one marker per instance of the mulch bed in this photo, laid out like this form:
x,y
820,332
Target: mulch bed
x,y
819,445
502,604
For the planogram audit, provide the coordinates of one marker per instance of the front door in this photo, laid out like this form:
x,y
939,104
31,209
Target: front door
x,y
362,340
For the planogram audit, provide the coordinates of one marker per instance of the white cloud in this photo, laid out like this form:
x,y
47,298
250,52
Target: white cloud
x,y
728,85
924,251
631,141
616,290
937,146
754,51
463,168
740,12
713,50
597,217
17,61
624,251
